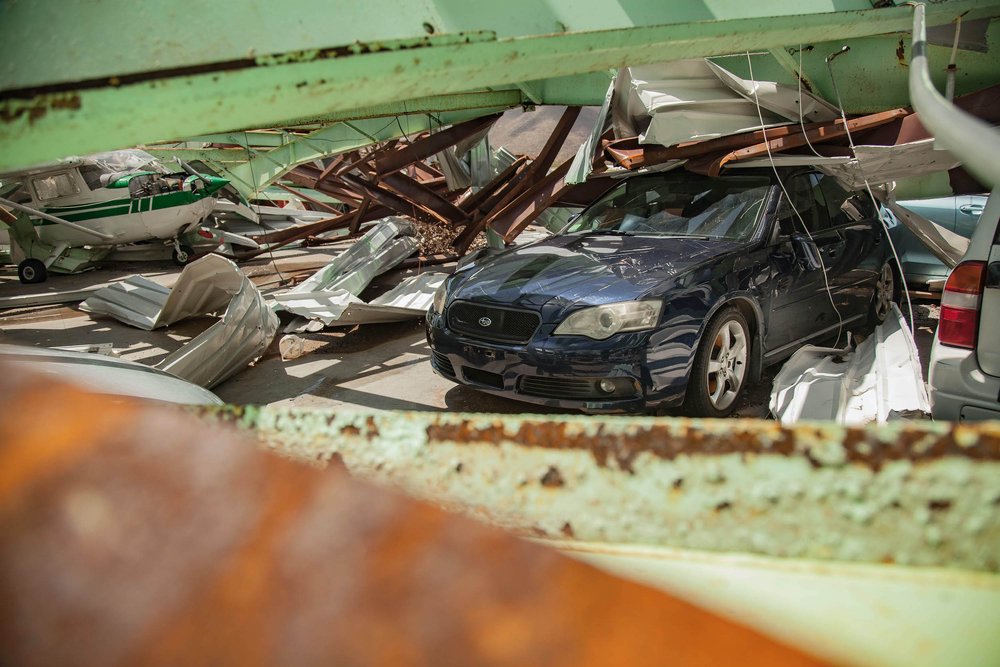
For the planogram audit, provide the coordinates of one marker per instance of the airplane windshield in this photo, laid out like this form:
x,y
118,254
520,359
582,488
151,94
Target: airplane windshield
x,y
123,162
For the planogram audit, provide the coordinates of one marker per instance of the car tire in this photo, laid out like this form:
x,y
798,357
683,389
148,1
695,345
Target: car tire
x,y
32,271
887,291
183,256
721,366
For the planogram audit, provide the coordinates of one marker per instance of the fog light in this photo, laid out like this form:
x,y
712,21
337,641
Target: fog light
x,y
607,386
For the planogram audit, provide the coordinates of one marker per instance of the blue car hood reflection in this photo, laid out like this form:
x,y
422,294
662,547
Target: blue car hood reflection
x,y
588,269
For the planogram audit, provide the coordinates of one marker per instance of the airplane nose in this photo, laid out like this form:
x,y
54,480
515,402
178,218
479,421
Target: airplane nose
x,y
214,183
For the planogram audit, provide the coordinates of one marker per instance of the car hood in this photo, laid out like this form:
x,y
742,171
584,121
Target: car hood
x,y
585,269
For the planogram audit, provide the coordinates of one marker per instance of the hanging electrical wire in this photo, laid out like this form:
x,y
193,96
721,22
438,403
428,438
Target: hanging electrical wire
x,y
770,157
868,187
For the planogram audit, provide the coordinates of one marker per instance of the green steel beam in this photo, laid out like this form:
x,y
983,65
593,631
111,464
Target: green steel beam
x,y
872,75
213,155
67,88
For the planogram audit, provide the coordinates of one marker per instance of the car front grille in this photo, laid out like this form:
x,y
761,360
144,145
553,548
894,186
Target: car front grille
x,y
493,323
574,388
443,364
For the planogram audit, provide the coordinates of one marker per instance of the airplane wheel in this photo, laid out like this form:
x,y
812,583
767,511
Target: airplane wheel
x,y
183,255
32,271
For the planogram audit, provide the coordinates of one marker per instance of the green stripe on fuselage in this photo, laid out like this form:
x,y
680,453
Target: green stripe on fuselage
x,y
117,207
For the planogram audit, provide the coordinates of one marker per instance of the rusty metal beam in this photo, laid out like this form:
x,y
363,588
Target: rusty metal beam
x,y
423,196
391,200
477,201
911,493
512,220
833,130
425,147
134,534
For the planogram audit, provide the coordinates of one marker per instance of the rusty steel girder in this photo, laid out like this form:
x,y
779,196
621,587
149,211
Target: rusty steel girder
x,y
134,534
910,493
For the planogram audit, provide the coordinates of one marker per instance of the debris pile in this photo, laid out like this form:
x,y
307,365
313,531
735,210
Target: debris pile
x,y
204,286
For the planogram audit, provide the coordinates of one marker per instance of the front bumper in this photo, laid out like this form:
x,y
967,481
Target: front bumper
x,y
959,390
558,372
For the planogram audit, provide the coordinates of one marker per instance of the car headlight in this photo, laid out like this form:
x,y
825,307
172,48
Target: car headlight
x,y
600,322
437,305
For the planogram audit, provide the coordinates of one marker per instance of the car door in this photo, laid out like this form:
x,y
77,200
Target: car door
x,y
968,208
855,264
802,255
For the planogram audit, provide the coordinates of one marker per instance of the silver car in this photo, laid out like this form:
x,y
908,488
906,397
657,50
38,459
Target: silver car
x,y
964,379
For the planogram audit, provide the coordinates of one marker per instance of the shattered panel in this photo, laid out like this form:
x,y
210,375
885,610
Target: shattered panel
x,y
227,347
204,286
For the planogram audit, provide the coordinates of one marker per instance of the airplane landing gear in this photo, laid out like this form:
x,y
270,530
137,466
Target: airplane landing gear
x,y
32,271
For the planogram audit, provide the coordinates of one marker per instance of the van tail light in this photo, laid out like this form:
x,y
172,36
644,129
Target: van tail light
x,y
960,305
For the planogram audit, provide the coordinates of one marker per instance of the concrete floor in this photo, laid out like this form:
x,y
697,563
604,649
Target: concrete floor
x,y
379,366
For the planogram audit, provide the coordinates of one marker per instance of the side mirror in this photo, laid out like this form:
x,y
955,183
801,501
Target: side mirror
x,y
806,252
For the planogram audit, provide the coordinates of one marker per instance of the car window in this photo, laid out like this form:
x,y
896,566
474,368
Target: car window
x,y
842,206
678,204
808,209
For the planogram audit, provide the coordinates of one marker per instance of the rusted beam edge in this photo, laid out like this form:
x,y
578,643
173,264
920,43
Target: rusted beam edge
x,y
540,166
431,144
414,191
818,135
477,200
302,176
631,155
426,260
360,213
621,439
393,201
519,213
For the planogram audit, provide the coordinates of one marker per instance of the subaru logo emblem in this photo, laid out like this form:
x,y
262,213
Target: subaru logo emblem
x,y
485,321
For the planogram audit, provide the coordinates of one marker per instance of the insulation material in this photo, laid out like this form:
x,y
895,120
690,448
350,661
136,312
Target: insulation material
x,y
873,383
882,164
408,300
204,286
672,103
786,101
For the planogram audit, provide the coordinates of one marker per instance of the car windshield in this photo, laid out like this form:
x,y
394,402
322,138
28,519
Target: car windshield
x,y
678,204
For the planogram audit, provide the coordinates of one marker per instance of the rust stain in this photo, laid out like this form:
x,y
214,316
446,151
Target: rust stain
x,y
212,551
610,445
552,478
36,109
901,53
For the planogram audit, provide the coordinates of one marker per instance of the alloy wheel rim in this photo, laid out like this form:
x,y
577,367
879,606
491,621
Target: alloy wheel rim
x,y
883,295
727,365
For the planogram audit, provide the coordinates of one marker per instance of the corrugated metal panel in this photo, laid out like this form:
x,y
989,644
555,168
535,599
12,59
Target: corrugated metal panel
x,y
205,286
227,347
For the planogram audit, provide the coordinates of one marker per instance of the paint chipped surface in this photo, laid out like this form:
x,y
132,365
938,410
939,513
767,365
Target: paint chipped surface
x,y
911,494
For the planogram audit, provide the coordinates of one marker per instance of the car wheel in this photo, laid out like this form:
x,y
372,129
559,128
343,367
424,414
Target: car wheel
x,y
885,295
32,271
720,366
183,255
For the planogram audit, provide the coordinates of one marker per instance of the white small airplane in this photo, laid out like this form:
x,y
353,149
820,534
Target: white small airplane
x,y
75,212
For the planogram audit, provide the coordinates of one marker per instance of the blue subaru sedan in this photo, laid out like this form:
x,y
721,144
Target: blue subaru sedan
x,y
672,289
